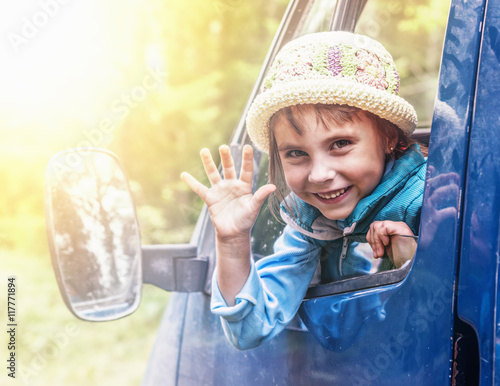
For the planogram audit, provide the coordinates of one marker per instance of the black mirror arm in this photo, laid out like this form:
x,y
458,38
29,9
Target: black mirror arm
x,y
174,267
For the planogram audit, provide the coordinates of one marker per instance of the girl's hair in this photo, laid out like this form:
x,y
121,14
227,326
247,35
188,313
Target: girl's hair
x,y
326,113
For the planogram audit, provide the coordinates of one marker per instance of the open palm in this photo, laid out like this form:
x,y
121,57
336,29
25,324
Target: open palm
x,y
232,206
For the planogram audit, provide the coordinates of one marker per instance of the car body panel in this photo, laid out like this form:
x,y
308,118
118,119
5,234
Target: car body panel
x,y
478,278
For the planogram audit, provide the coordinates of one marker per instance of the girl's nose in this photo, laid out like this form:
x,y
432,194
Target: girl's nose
x,y
321,172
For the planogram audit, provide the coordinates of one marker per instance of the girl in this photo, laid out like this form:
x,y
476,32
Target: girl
x,y
341,164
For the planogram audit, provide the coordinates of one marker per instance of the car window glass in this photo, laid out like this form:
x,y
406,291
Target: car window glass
x,y
267,227
318,17
413,32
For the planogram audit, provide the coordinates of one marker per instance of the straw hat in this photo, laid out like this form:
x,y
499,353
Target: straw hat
x,y
330,68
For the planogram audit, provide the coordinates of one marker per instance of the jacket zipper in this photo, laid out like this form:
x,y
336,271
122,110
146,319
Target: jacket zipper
x,y
345,243
343,254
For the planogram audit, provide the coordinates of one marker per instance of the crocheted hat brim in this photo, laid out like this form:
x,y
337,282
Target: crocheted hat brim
x,y
326,91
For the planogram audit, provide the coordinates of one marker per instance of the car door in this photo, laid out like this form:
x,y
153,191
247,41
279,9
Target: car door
x,y
412,337
477,291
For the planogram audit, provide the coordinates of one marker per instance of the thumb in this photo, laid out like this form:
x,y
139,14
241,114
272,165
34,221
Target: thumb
x,y
262,193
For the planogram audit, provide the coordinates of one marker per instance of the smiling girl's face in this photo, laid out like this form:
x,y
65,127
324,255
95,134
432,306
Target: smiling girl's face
x,y
327,163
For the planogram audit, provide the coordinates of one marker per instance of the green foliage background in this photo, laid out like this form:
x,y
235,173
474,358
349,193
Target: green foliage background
x,y
208,55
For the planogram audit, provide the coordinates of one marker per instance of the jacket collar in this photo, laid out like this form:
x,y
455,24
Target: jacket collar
x,y
308,220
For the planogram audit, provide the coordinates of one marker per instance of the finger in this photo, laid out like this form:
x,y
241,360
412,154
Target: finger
x,y
209,166
227,162
391,228
442,180
262,193
444,194
369,238
378,238
194,184
246,173
372,240
378,246
446,213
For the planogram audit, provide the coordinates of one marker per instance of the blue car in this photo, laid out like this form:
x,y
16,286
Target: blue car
x,y
437,318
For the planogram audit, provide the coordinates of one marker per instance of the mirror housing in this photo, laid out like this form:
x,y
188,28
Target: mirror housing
x,y
95,244
174,267
93,234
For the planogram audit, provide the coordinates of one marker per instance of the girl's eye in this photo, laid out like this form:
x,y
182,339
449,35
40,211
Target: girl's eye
x,y
340,144
295,154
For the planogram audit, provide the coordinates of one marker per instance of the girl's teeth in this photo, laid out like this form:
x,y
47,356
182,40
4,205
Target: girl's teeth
x,y
333,195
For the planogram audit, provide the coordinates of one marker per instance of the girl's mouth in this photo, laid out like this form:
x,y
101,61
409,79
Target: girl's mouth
x,y
333,194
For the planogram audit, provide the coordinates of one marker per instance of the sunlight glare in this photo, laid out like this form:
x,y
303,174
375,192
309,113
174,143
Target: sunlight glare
x,y
61,62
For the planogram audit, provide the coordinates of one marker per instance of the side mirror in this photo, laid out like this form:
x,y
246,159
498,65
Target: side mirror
x,y
93,234
95,243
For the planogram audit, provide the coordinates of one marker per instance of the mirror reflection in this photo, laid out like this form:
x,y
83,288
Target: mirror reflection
x,y
94,234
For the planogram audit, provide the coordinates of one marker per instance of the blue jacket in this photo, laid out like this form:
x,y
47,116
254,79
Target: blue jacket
x,y
277,284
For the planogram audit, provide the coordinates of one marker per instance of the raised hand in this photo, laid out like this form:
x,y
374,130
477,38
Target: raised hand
x,y
233,210
232,206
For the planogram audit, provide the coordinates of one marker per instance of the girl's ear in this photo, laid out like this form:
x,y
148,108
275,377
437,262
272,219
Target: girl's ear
x,y
392,143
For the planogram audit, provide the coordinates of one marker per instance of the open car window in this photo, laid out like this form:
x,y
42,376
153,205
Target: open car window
x,y
414,35
413,32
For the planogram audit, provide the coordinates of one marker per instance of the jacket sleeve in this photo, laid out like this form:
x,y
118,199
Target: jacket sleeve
x,y
272,293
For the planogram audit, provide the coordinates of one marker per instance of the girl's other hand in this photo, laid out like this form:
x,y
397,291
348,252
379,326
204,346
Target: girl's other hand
x,y
232,206
390,236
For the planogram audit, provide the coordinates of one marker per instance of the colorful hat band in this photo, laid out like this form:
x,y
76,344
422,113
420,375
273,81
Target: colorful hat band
x,y
330,68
